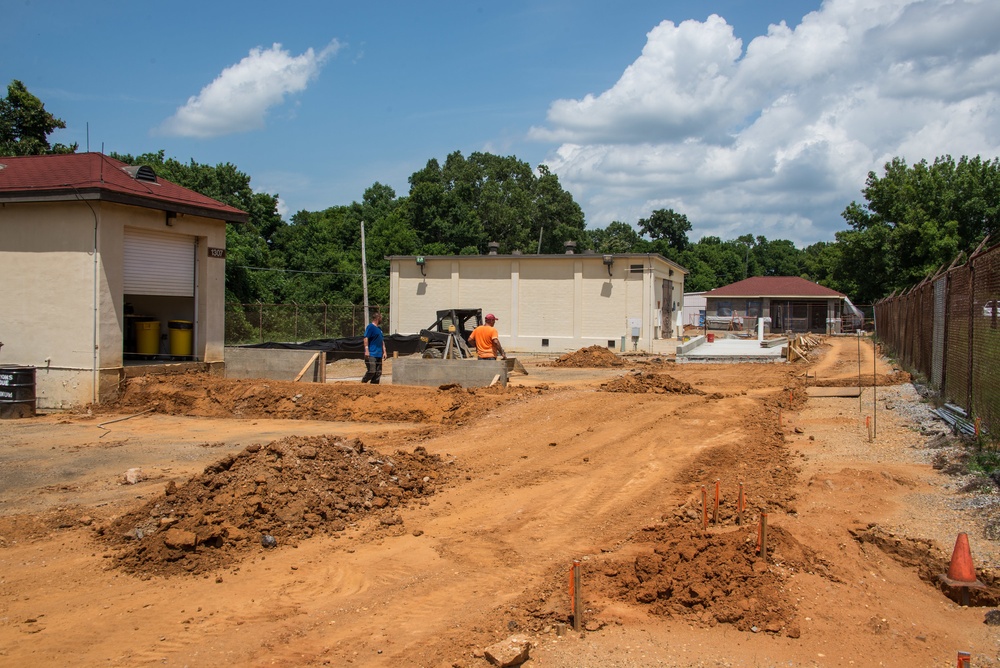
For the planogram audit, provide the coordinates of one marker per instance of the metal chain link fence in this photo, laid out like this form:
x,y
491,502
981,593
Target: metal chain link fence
x,y
295,323
946,328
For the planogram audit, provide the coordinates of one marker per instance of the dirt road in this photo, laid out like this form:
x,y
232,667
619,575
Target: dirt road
x,y
427,567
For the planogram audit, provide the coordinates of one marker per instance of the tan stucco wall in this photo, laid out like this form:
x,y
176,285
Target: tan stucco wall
x,y
61,307
570,301
48,302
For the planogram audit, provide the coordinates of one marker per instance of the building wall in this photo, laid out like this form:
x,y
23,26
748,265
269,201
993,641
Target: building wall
x,y
548,307
694,304
49,300
543,303
61,309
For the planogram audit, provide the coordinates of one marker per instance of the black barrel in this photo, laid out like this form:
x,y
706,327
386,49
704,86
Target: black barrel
x,y
17,392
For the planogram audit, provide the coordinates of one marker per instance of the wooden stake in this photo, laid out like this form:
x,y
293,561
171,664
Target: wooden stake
x,y
763,535
577,598
704,507
306,367
739,506
715,511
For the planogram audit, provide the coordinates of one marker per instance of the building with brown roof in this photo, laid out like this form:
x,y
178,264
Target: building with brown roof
x,y
106,266
787,304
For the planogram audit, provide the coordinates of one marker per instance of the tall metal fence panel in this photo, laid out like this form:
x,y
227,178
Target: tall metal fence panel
x,y
948,329
295,323
985,338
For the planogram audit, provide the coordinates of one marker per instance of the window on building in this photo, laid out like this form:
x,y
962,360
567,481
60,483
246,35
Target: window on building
x,y
724,308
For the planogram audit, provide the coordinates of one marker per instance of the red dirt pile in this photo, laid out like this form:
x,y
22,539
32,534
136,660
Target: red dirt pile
x,y
590,357
639,382
202,395
289,489
715,578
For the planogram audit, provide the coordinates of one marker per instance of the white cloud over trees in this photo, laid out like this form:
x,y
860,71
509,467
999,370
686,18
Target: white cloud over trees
x,y
239,98
777,138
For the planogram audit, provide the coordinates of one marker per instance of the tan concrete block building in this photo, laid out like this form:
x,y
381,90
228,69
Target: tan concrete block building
x,y
104,263
545,303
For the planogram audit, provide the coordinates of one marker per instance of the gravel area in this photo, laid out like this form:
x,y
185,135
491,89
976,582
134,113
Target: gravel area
x,y
960,501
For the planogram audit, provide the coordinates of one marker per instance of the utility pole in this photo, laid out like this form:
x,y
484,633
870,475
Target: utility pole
x,y
364,272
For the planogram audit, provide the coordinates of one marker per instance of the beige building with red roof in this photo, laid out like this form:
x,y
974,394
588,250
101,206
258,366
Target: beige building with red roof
x,y
107,266
787,304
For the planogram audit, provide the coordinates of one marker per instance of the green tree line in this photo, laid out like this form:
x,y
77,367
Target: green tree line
x,y
913,220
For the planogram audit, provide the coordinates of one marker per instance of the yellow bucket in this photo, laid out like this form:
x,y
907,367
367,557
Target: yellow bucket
x,y
181,337
147,337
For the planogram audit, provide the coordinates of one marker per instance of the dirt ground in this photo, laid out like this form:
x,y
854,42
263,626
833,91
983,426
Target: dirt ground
x,y
204,522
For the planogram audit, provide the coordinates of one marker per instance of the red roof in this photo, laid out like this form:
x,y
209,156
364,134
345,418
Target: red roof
x,y
96,176
773,286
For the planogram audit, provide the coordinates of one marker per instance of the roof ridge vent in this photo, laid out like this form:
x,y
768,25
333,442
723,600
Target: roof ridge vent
x,y
140,172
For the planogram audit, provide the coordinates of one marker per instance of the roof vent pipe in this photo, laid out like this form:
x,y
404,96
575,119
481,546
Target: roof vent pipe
x,y
493,247
570,247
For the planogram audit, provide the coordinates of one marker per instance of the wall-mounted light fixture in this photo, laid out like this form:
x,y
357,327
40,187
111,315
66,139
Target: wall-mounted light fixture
x,y
171,215
670,272
608,260
420,263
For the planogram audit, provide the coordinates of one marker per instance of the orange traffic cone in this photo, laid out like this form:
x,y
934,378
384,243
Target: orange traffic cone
x,y
961,572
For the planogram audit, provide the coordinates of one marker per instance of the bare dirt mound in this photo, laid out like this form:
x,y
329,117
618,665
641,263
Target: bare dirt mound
x,y
714,579
639,382
590,357
203,395
289,489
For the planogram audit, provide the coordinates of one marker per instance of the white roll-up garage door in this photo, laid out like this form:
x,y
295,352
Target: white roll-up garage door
x,y
159,263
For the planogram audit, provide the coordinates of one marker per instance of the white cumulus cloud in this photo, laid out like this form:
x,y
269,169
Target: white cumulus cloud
x,y
776,139
240,97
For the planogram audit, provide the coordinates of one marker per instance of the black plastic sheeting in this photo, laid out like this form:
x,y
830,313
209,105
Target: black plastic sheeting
x,y
351,347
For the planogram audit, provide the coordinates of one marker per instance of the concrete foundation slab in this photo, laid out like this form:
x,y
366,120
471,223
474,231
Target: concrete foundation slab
x,y
436,372
726,350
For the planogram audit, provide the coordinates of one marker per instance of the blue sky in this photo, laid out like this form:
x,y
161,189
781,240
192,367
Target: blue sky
x,y
749,116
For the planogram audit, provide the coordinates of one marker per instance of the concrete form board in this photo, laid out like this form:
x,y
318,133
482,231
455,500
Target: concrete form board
x,y
435,372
